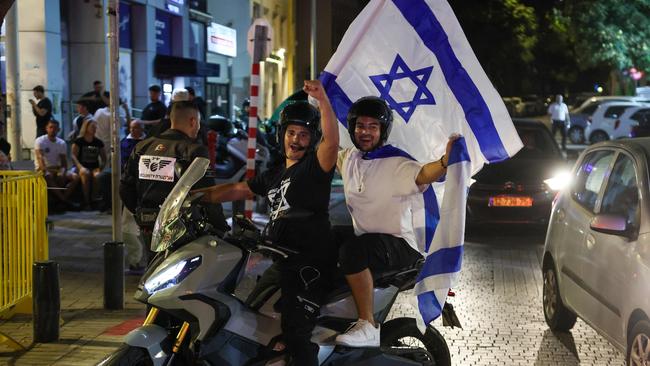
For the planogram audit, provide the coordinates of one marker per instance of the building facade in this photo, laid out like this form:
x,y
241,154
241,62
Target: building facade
x,y
63,45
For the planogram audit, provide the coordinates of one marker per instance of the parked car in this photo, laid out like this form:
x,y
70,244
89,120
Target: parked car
x,y
514,105
596,261
642,116
520,189
533,105
581,116
606,121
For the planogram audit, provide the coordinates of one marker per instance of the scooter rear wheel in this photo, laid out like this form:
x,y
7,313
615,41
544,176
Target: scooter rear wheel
x,y
403,332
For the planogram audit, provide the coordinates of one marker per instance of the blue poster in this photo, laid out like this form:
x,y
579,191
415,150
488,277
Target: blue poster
x,y
163,28
125,25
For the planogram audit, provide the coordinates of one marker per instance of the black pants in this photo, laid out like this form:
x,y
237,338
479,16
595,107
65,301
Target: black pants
x,y
561,126
304,285
377,252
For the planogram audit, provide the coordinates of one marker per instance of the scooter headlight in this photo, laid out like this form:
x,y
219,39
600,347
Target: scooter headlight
x,y
172,275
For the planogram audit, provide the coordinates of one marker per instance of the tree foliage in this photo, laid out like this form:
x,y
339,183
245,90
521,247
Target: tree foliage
x,y
609,32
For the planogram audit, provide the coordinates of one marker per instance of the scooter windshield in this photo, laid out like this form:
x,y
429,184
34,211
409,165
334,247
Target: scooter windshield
x,y
168,227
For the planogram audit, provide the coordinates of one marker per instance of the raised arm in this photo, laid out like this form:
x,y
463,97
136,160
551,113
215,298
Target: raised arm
x,y
432,171
328,148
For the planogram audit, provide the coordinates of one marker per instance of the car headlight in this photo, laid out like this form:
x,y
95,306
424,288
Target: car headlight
x,y
559,180
172,275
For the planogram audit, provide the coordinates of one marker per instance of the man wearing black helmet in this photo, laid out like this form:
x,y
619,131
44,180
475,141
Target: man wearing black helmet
x,y
300,185
381,184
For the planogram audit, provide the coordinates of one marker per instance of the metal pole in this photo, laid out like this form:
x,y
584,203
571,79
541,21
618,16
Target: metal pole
x,y
113,276
46,305
13,83
312,43
114,56
259,51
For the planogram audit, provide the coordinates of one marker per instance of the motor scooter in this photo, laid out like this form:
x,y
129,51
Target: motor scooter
x,y
198,316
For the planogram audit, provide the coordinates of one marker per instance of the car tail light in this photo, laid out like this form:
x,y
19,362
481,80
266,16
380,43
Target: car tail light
x,y
617,123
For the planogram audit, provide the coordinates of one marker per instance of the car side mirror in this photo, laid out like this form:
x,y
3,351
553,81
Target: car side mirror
x,y
609,224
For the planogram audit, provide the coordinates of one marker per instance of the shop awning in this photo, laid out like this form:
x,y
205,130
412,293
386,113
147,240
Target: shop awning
x,y
171,66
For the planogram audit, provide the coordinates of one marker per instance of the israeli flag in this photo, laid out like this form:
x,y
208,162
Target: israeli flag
x,y
414,55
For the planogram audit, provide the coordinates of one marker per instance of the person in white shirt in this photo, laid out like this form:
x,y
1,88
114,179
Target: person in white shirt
x,y
52,161
103,118
559,113
381,184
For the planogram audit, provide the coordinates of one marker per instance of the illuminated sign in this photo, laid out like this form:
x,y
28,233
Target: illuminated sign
x,y
222,40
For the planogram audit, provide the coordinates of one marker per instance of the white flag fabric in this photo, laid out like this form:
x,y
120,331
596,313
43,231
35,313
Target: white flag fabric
x,y
414,55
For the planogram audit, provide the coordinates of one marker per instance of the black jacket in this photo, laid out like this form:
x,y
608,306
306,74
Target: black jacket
x,y
138,194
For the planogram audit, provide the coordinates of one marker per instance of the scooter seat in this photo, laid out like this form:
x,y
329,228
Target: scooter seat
x,y
403,278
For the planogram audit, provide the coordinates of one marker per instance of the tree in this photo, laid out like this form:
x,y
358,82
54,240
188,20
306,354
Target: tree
x,y
609,32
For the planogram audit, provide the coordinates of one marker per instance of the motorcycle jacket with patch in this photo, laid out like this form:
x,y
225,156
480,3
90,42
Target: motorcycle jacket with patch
x,y
153,169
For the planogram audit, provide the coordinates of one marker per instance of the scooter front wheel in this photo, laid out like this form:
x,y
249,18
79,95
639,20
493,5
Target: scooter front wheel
x,y
128,356
404,333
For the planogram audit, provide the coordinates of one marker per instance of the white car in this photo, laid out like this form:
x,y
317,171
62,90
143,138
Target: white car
x,y
607,122
596,262
581,116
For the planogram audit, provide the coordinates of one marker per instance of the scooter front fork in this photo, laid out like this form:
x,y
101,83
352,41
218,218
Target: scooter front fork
x,y
151,317
177,343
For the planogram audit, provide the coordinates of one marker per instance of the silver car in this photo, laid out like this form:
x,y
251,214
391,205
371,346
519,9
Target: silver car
x,y
596,261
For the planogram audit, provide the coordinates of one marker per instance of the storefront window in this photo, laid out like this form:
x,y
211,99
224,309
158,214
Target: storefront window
x,y
197,41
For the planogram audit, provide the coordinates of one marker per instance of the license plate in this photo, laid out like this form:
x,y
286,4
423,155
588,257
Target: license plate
x,y
510,201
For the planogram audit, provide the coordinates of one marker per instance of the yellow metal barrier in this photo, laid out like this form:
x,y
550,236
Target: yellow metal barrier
x,y
23,237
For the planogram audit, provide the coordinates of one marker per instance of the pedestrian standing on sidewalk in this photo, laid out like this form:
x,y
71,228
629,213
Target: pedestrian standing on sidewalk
x,y
559,113
42,109
97,98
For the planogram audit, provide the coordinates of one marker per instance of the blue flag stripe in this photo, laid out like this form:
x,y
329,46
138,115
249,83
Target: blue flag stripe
x,y
340,101
431,216
477,113
458,153
445,260
429,306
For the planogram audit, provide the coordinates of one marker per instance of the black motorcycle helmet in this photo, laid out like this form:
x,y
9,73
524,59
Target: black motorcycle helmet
x,y
303,114
374,107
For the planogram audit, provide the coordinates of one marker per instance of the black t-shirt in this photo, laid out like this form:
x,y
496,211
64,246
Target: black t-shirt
x,y
89,152
304,187
41,121
154,110
96,101
5,146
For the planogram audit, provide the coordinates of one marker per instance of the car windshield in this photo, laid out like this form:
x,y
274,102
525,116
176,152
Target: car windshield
x,y
168,228
538,143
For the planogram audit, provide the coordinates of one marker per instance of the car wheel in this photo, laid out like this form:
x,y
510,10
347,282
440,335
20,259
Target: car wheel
x,y
638,345
598,136
557,316
576,135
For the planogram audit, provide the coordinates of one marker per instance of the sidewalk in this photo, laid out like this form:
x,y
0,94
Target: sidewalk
x,y
87,331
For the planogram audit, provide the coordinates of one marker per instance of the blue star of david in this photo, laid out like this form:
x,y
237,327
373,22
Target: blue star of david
x,y
400,70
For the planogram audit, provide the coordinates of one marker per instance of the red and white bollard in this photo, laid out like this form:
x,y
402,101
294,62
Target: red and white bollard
x,y
252,132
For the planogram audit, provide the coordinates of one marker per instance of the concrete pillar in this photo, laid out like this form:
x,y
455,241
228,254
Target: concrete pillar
x,y
39,54
144,52
87,46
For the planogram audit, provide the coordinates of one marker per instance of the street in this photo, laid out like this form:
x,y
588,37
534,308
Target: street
x,y
499,304
498,301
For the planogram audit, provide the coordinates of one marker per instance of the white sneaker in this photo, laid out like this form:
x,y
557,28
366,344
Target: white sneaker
x,y
361,334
